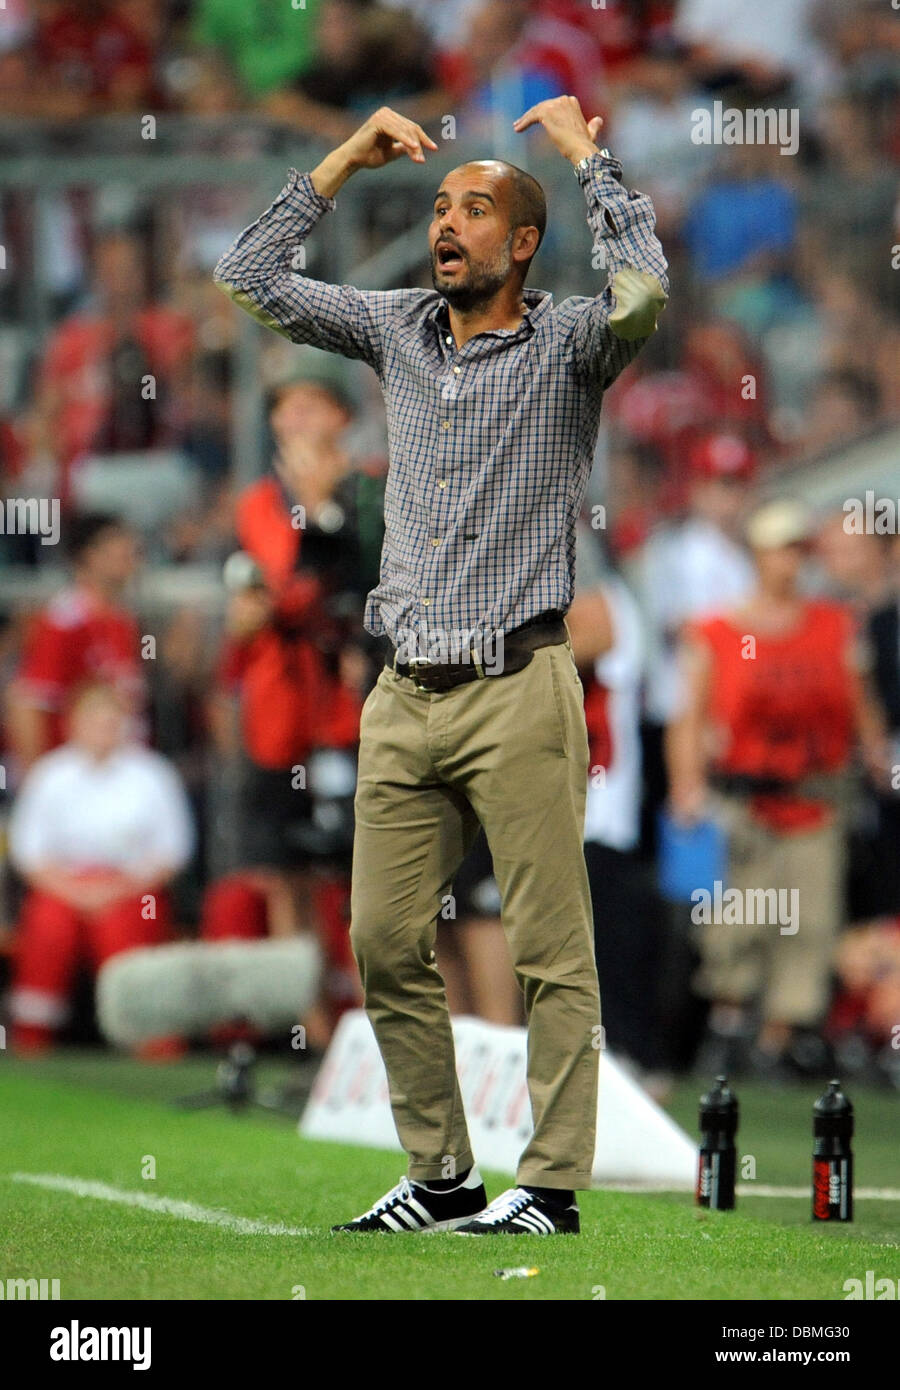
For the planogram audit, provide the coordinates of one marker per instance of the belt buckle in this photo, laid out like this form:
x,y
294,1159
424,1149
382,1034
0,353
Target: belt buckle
x,y
420,661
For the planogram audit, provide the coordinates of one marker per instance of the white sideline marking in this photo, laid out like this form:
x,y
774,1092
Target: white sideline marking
x,y
169,1206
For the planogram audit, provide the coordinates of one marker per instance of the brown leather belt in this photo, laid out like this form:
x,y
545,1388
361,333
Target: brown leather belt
x,y
518,647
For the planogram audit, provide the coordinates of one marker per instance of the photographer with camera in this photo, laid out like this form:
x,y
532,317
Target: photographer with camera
x,y
295,669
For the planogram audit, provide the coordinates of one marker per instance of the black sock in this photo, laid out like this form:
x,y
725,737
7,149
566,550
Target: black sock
x,y
553,1196
443,1184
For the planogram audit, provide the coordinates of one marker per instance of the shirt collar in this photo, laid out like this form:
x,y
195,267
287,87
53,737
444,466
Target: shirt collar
x,y
537,303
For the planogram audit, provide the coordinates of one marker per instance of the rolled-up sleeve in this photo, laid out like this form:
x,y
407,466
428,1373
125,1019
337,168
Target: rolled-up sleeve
x,y
608,331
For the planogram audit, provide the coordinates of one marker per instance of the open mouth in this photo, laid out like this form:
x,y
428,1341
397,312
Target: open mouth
x,y
448,258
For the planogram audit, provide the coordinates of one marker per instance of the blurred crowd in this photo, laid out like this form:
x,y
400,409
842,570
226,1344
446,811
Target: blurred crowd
x,y
214,733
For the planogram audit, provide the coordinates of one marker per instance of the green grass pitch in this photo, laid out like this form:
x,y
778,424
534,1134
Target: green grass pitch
x,y
98,1119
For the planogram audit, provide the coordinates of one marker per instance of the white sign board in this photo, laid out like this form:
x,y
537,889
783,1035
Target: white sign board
x,y
637,1143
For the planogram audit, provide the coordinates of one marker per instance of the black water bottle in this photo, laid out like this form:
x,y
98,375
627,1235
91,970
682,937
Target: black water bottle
x,y
832,1185
718,1126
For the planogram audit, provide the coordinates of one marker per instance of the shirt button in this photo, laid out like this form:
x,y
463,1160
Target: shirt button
x,y
426,602
449,342
436,540
442,482
445,424
457,370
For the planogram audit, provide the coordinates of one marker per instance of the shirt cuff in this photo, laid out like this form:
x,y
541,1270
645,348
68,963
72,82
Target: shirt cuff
x,y
596,166
600,177
303,185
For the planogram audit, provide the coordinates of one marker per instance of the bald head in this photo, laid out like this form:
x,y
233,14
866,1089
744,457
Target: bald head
x,y
524,198
488,221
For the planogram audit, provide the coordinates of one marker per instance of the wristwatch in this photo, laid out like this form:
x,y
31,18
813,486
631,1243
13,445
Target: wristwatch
x,y
583,163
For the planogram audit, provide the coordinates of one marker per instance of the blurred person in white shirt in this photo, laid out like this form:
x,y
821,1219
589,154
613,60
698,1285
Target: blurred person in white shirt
x,y
698,565
763,43
98,831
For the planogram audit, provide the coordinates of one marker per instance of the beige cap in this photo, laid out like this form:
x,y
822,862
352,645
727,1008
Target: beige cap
x,y
310,366
783,521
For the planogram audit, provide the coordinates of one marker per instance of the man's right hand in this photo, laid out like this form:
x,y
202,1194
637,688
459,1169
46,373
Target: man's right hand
x,y
384,137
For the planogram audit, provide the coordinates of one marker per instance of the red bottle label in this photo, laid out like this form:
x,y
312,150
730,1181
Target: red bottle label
x,y
704,1181
821,1189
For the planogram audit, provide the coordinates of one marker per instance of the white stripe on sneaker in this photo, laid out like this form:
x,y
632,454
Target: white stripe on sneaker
x,y
421,1211
413,1222
532,1219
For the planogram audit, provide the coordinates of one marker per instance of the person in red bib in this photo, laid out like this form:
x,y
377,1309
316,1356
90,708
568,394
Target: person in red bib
x,y
776,700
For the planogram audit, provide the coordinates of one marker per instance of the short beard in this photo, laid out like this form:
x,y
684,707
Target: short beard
x,y
485,280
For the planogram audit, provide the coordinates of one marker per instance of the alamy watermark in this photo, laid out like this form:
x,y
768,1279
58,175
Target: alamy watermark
x,y
31,516
871,516
451,646
24,1289
84,1343
747,907
730,125
874,1289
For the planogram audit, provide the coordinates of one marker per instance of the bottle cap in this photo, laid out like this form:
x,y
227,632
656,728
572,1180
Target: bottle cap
x,y
719,1108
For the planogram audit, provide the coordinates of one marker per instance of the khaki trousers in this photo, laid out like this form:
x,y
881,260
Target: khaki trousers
x,y
510,752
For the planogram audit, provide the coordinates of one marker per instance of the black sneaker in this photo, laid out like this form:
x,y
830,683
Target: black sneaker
x,y
519,1213
412,1207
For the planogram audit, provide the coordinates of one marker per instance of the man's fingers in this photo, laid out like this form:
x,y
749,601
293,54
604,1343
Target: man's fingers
x,y
407,137
406,133
426,139
402,143
400,129
418,138
595,125
530,117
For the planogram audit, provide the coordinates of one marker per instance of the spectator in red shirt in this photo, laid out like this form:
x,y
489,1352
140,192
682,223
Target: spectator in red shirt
x,y
620,29
90,59
83,634
287,657
720,385
92,393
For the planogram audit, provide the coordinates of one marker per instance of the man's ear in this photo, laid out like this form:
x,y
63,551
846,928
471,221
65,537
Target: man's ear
x,y
525,243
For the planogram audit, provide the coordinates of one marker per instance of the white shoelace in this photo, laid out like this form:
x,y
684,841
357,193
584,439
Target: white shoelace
x,y
401,1192
509,1203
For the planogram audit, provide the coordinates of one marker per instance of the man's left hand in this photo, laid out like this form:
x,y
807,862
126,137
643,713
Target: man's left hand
x,y
564,122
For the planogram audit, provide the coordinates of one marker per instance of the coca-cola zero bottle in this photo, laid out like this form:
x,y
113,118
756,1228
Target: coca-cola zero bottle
x,y
832,1184
718,1126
